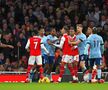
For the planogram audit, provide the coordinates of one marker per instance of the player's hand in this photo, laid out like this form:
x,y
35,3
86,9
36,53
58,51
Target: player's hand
x,y
10,46
55,40
69,41
49,42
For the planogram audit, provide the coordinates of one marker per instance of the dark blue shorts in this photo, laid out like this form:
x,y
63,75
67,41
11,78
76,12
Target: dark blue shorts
x,y
96,61
48,59
83,57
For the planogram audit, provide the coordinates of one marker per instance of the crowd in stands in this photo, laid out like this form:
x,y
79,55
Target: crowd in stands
x,y
20,18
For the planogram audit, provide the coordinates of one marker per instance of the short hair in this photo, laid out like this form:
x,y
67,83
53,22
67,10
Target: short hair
x,y
80,25
72,27
34,33
66,28
41,28
90,28
95,30
52,28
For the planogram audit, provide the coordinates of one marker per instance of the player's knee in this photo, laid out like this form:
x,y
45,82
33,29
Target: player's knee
x,y
82,64
75,63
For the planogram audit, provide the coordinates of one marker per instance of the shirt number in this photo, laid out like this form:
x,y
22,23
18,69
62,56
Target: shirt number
x,y
96,43
35,43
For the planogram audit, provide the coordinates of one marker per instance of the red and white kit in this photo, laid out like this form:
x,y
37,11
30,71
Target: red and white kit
x,y
74,52
35,50
66,49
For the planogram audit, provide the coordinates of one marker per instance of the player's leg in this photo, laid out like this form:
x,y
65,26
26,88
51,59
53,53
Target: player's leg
x,y
46,66
72,72
82,63
51,63
94,73
31,62
99,72
70,67
91,68
39,64
75,65
82,59
62,69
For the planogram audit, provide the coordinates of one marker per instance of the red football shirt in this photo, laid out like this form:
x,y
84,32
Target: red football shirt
x,y
67,48
35,46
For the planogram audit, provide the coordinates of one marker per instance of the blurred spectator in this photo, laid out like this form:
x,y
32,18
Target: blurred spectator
x,y
20,18
7,65
21,42
103,20
7,40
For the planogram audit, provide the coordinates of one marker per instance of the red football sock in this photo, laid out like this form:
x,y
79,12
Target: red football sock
x,y
76,70
41,71
94,73
28,70
71,70
61,70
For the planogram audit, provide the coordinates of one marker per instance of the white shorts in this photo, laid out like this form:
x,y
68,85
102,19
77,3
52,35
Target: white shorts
x,y
75,58
33,59
67,58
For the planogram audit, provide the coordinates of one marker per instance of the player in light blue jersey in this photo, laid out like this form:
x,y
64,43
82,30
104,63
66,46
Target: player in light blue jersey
x,y
81,46
95,43
44,40
81,42
49,59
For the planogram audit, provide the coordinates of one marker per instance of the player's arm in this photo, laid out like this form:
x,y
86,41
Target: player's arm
x,y
87,47
43,47
61,43
102,46
27,45
56,40
75,42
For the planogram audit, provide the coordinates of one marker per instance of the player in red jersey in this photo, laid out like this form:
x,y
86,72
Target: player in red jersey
x,y
67,53
35,44
75,53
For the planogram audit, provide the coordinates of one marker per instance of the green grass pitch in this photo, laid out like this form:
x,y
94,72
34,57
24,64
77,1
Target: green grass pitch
x,y
52,86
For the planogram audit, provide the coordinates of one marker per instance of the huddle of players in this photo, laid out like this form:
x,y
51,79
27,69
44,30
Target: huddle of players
x,y
75,47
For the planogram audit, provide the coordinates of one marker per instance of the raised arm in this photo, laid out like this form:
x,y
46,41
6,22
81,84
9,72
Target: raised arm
x,y
43,47
75,42
61,43
28,44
